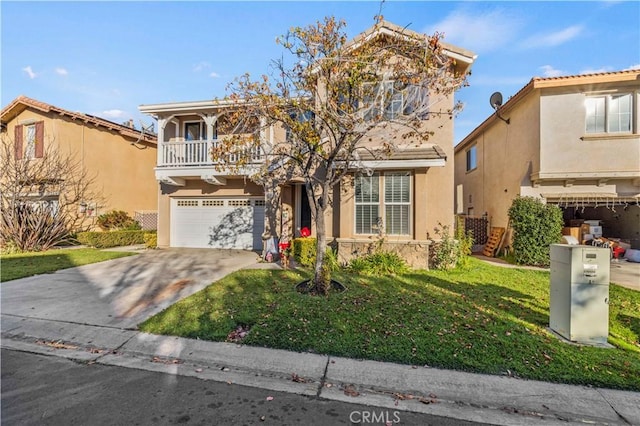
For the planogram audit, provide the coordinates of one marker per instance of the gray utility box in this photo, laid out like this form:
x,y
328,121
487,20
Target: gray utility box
x,y
579,294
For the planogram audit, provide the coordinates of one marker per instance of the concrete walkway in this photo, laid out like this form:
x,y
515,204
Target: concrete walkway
x,y
622,273
47,315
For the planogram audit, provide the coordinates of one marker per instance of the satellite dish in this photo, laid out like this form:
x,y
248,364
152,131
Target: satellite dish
x,y
496,100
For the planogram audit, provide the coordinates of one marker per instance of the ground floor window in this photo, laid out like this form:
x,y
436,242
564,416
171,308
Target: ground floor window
x,y
389,212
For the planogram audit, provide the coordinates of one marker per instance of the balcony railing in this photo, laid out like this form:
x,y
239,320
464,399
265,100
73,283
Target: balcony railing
x,y
197,153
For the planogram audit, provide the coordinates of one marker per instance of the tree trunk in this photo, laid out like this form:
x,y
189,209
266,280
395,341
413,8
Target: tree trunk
x,y
322,275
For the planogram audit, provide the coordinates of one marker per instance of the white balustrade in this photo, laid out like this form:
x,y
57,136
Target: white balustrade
x,y
196,153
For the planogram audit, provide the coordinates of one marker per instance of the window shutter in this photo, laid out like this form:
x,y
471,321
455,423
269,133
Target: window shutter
x,y
39,151
18,142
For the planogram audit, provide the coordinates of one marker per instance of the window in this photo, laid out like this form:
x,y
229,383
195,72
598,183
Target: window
x,y
195,131
390,100
367,204
396,204
472,159
29,140
187,203
609,114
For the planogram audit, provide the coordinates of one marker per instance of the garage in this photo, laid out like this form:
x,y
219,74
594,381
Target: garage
x,y
228,223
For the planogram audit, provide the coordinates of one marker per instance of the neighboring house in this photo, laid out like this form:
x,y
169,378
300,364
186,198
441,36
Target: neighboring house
x,y
120,157
201,205
572,141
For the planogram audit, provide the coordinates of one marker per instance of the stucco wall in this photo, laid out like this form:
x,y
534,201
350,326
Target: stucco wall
x,y
566,148
507,154
124,171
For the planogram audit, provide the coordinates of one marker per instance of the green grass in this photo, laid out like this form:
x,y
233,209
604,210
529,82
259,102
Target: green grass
x,y
483,319
14,266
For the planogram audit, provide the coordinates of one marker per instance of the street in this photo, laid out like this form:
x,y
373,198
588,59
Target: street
x,y
48,390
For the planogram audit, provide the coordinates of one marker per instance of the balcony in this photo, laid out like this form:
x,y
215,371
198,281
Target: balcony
x,y
197,154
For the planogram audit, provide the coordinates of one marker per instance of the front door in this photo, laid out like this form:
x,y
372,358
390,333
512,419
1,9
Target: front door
x,y
303,211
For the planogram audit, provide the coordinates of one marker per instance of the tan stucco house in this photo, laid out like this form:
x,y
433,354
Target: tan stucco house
x,y
120,157
201,205
572,141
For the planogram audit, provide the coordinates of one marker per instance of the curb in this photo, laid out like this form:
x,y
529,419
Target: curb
x,y
453,394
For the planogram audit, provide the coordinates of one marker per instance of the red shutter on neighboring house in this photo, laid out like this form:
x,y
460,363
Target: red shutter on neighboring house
x,y
39,151
18,142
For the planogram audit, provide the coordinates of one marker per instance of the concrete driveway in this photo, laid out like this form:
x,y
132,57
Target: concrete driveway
x,y
123,292
625,274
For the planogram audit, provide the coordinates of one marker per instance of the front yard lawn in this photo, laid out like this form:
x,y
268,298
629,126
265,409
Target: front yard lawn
x,y
482,319
14,266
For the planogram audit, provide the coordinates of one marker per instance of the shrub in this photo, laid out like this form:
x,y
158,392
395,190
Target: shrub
x,y
111,238
151,239
535,227
117,220
379,262
451,252
304,251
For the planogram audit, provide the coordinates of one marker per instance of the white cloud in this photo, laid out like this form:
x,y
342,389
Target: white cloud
x,y
29,72
549,71
214,75
478,31
553,39
113,113
62,71
633,67
201,66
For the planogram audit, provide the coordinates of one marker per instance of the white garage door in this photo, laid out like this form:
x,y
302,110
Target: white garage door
x,y
231,223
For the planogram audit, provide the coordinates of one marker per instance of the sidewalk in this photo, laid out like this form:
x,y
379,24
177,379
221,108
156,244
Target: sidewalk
x,y
622,273
453,394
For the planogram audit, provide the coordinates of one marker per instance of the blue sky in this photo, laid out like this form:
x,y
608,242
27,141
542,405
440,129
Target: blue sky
x,y
106,58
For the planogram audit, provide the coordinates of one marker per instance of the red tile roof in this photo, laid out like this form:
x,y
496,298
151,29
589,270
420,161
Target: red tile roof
x,y
21,103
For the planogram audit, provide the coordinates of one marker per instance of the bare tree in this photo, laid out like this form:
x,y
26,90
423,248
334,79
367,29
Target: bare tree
x,y
43,199
340,102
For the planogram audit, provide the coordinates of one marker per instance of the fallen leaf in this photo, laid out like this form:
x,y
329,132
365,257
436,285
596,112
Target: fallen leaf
x,y
298,379
350,390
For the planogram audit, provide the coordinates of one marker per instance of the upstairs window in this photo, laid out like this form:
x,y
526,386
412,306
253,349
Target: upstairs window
x,y
390,100
609,114
29,140
472,158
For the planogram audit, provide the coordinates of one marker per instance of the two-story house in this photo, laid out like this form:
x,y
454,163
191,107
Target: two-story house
x,y
201,205
572,141
119,157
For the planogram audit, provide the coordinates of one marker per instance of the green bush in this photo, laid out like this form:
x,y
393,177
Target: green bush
x,y
151,239
111,238
379,263
117,220
535,227
304,251
450,252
